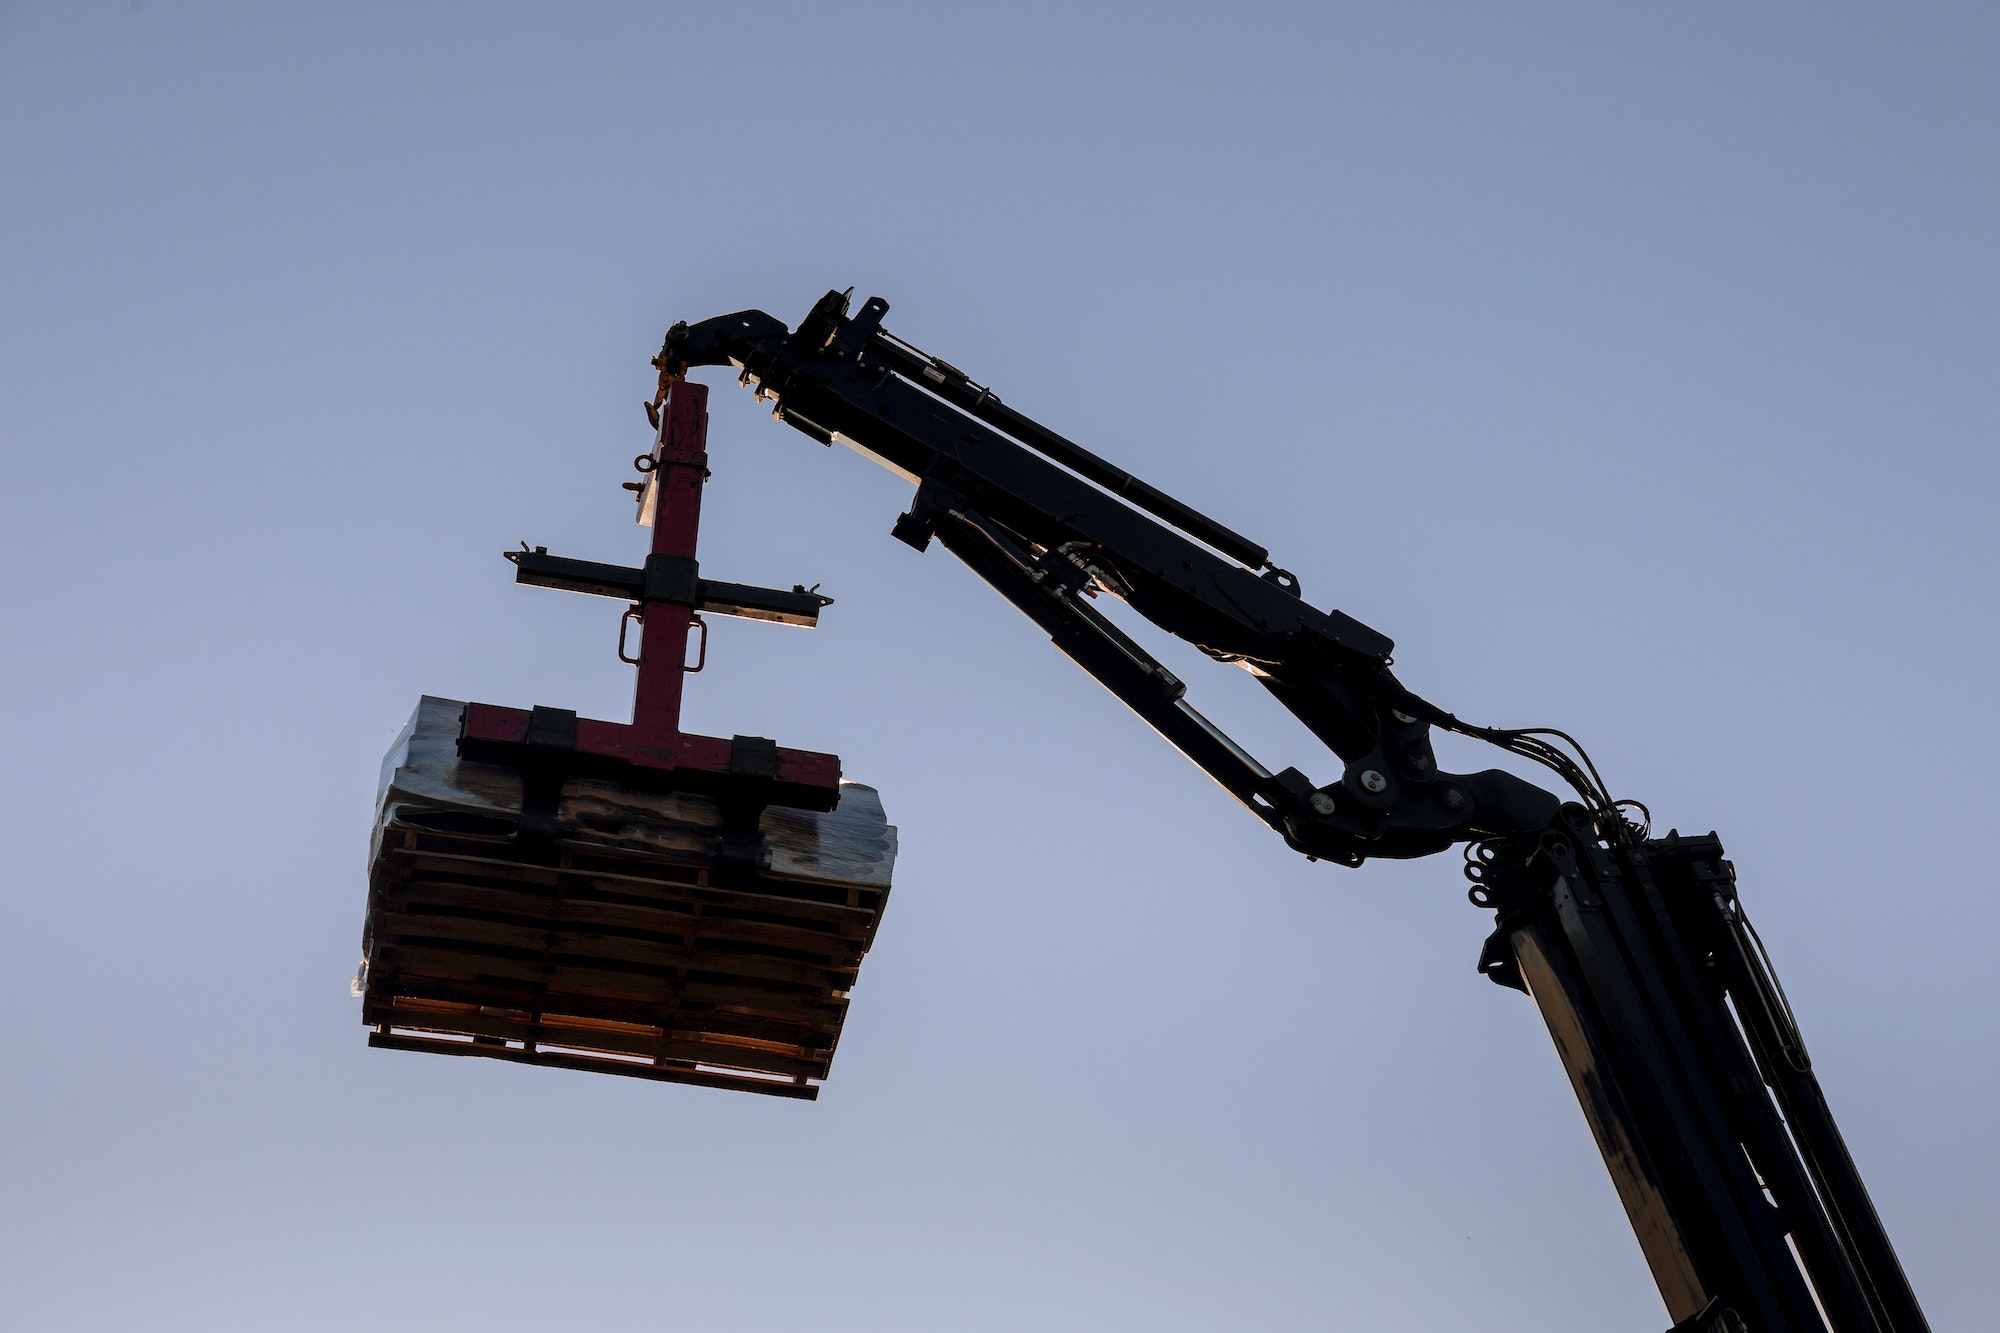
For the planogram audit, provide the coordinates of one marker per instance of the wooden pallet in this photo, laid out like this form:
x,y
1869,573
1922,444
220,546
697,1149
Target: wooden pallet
x,y
629,944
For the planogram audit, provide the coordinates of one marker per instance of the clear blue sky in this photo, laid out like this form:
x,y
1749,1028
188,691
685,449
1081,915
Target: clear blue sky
x,y
1632,366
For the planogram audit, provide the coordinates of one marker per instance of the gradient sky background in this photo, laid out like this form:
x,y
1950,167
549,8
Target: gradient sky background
x,y
1632,366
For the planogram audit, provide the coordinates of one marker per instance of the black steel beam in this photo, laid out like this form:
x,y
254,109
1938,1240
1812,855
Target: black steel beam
x,y
538,568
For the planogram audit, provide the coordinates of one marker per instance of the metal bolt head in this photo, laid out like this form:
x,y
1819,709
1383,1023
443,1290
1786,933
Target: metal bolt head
x,y
1321,803
1452,799
1401,716
1371,780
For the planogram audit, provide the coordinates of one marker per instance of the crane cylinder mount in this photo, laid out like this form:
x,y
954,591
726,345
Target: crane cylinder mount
x,y
625,898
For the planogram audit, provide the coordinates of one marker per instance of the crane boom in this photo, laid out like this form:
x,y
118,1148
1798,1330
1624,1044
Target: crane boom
x,y
1656,991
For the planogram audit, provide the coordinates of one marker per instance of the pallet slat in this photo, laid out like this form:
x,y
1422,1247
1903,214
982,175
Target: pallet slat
x,y
583,948
693,1015
485,861
701,1078
552,1031
581,913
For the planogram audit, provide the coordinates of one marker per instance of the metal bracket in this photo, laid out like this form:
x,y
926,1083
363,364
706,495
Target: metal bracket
x,y
669,578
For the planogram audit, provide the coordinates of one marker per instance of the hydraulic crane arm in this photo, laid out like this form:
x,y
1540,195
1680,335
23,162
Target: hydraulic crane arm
x,y
1050,526
1678,1042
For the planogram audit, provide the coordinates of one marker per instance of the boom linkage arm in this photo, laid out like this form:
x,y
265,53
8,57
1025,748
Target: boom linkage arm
x,y
1050,525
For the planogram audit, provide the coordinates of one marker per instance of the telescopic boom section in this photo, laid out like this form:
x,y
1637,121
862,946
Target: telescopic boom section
x,y
1685,1060
1050,525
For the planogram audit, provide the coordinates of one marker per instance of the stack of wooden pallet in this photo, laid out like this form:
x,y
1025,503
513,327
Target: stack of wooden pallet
x,y
634,941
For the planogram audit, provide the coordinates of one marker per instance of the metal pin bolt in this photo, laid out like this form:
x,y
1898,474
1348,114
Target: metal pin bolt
x,y
1402,717
1451,798
1373,781
1321,803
